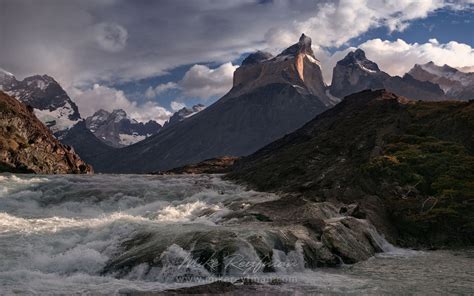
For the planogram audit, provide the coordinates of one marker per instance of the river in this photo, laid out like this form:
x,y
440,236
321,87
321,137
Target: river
x,y
58,234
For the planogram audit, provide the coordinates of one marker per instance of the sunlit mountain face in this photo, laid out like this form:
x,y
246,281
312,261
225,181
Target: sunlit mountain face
x,y
247,147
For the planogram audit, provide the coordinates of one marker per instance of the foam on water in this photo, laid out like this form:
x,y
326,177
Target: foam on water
x,y
62,230
57,234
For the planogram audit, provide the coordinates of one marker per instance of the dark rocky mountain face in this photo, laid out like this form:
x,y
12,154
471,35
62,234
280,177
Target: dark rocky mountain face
x,y
456,84
409,165
183,113
51,103
355,73
27,146
116,129
270,98
85,143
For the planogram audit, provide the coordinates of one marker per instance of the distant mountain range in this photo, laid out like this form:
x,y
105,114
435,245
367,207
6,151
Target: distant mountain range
x,y
51,103
355,73
184,113
59,113
118,130
455,84
271,96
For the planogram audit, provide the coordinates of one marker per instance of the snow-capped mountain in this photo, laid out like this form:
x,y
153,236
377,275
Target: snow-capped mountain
x,y
355,73
51,103
183,113
117,129
456,84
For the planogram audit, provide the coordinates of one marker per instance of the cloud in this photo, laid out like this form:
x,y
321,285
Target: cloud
x,y
81,43
103,97
202,82
161,88
111,37
334,23
398,57
86,42
176,106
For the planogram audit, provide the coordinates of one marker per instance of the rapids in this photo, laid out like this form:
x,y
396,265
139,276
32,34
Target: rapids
x,y
59,233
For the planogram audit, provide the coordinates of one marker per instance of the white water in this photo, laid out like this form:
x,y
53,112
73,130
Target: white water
x,y
57,234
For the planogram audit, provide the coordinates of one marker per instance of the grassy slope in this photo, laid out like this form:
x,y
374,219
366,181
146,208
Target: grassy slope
x,y
417,156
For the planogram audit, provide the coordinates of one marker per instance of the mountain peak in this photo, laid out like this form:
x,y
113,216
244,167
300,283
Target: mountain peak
x,y
305,40
359,59
256,57
303,46
5,73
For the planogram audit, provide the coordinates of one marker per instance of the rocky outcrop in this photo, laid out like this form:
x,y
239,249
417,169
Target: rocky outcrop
x,y
270,98
456,84
355,73
27,146
85,143
116,129
296,65
183,113
409,165
51,103
285,235
209,166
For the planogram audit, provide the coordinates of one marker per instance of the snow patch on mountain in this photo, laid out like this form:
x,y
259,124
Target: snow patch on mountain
x,y
57,120
117,129
126,139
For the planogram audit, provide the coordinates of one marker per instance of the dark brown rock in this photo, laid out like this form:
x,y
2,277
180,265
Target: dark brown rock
x,y
27,146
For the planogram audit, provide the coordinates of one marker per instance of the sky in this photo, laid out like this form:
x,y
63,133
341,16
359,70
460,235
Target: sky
x,y
151,58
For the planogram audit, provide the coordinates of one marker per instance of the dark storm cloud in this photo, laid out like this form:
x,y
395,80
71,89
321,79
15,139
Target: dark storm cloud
x,y
89,41
90,45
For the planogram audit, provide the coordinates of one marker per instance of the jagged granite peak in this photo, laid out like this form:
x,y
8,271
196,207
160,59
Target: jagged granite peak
x,y
357,58
455,84
183,113
116,129
296,66
303,46
27,146
256,57
52,104
269,99
355,72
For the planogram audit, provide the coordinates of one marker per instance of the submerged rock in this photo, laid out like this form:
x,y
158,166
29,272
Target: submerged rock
x,y
305,234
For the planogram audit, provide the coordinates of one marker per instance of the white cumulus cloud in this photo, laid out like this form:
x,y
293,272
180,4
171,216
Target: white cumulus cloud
x,y
152,92
103,97
398,57
336,22
176,106
200,81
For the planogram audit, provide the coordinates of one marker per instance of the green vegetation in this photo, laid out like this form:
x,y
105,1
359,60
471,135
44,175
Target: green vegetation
x,y
437,176
418,158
